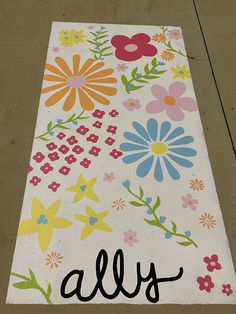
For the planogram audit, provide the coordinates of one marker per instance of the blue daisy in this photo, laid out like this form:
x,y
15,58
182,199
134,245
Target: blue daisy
x,y
159,145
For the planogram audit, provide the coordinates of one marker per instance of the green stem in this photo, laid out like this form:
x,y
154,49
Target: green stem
x,y
99,53
44,293
169,46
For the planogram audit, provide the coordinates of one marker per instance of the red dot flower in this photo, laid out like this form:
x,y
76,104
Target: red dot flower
x,y
72,140
70,159
109,141
111,129
82,130
77,149
134,48
115,153
35,180
38,157
212,263
64,170
61,135
53,156
98,114
63,149
92,138
205,283
29,169
54,186
46,168
51,146
85,162
113,113
226,289
94,151
97,124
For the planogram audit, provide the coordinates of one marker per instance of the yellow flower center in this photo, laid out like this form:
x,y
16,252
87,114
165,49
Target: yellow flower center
x,y
169,100
159,148
132,104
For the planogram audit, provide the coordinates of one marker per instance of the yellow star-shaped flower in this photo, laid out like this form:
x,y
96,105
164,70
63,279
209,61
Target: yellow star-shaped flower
x,y
77,36
181,72
83,188
92,221
43,222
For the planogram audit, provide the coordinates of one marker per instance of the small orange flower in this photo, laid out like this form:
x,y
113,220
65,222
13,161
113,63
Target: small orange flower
x,y
118,204
207,220
53,259
83,80
197,185
167,56
159,37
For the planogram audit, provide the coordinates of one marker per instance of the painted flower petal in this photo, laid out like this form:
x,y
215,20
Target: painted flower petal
x,y
177,89
181,161
145,166
127,147
148,50
141,130
165,127
159,91
187,103
182,140
134,157
184,151
134,138
171,169
155,106
152,128
175,113
177,131
158,173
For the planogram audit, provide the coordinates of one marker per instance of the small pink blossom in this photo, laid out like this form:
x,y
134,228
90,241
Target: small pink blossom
x,y
55,49
46,168
174,34
38,157
35,180
29,169
72,140
122,67
131,104
61,135
51,146
226,289
70,159
64,170
130,237
108,176
205,283
212,263
54,186
188,201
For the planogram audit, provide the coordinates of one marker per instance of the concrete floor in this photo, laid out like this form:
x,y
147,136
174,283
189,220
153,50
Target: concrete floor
x,y
208,31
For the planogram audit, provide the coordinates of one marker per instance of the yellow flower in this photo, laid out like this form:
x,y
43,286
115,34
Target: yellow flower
x,y
65,38
92,221
43,222
83,188
181,72
77,36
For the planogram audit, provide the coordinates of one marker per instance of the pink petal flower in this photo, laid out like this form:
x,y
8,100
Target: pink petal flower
x,y
175,113
187,103
159,91
177,89
155,106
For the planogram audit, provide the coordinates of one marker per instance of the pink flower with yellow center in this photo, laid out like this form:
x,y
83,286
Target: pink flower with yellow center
x,y
132,104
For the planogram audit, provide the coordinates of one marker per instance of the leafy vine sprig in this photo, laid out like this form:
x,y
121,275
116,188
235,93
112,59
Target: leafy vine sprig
x,y
99,49
61,125
32,283
168,43
150,72
158,222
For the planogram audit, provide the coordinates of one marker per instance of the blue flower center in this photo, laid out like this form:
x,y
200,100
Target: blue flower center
x,y
83,188
42,220
92,220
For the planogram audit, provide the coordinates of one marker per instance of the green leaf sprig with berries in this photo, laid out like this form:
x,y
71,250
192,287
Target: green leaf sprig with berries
x,y
99,41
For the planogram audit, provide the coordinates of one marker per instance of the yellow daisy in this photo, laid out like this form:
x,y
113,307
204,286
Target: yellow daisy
x,y
65,38
77,36
181,71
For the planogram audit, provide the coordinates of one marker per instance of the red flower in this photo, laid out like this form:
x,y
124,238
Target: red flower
x,y
113,113
134,48
115,153
77,149
29,169
61,135
205,283
98,114
70,159
97,124
82,130
94,151
226,289
35,180
64,170
38,157
51,146
109,141
92,138
111,129
54,186
212,263
63,149
53,156
46,168
72,140
85,163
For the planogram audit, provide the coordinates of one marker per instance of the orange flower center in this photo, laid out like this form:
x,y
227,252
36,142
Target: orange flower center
x,y
76,81
132,104
169,100
131,47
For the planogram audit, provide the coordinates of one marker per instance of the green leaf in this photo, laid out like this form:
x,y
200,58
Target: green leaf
x,y
134,72
71,117
94,34
23,285
135,87
49,126
62,126
108,54
157,204
124,80
32,276
104,49
153,222
160,72
174,227
140,80
49,290
91,42
154,62
44,139
141,192
150,77
136,204
94,51
184,243
101,44
100,37
146,68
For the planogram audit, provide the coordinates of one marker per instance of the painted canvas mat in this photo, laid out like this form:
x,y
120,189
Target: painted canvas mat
x,y
120,204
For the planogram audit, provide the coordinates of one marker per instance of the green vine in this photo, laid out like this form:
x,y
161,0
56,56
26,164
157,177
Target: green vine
x,y
31,283
157,221
150,73
61,125
168,43
99,50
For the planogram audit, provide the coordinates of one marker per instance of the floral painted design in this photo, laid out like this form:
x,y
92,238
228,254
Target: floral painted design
x,y
197,185
174,34
109,177
130,237
212,263
180,72
159,37
87,81
54,259
171,100
71,38
43,222
92,221
132,104
134,48
167,56
189,201
100,47
205,283
122,67
158,145
118,204
207,220
226,289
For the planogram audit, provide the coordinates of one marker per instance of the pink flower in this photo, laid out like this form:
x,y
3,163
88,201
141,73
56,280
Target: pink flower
x,y
38,157
130,237
72,140
61,135
122,67
108,176
205,283
46,168
82,130
54,186
132,104
174,34
85,162
226,289
212,263
51,146
64,170
115,153
92,138
94,151
113,113
111,129
70,159
63,149
35,180
188,201
171,101
77,149
110,141
55,49
97,124
29,169
53,156
134,48
98,114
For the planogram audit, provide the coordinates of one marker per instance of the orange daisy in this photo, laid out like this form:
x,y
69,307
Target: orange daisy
x,y
197,184
207,220
167,56
159,37
118,204
86,80
53,259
